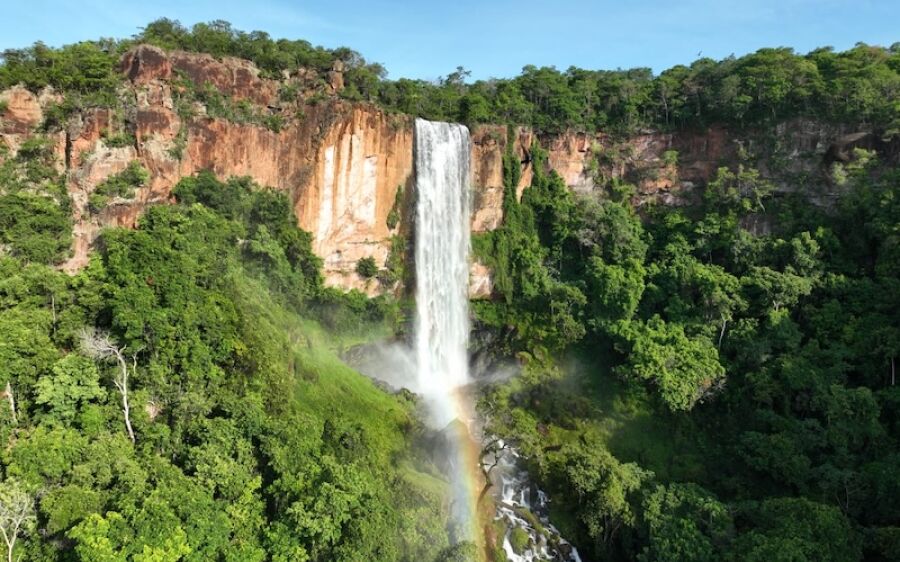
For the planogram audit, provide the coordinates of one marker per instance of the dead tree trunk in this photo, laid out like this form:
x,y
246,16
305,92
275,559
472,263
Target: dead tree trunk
x,y
16,515
722,332
121,383
100,345
12,402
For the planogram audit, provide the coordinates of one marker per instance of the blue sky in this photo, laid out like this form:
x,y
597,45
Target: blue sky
x,y
489,37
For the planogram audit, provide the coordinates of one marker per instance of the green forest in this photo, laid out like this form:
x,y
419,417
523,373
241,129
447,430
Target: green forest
x,y
692,387
860,85
182,397
692,391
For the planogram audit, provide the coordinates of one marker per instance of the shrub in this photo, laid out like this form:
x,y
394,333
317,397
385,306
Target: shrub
x,y
118,140
179,144
393,218
394,267
670,157
519,540
34,227
273,122
122,184
367,268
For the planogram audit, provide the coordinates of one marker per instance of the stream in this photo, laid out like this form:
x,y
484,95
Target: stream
x,y
521,505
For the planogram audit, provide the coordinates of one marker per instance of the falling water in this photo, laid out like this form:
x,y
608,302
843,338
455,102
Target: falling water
x,y
442,270
442,313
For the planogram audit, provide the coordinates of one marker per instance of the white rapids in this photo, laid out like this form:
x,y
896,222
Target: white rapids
x,y
519,510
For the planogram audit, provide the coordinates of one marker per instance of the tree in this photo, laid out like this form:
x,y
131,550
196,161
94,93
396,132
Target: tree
x,y
797,529
101,346
105,539
26,353
74,381
11,400
740,192
684,369
16,514
614,290
603,488
684,522
611,230
703,297
366,267
776,289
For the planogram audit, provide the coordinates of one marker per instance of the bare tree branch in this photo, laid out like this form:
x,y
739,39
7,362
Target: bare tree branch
x,y
16,514
10,397
101,346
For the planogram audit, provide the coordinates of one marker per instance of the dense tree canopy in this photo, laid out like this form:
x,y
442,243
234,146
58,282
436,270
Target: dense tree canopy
x,y
711,394
252,441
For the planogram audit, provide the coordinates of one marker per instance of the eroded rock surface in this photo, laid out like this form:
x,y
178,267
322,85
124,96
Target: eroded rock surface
x,y
342,163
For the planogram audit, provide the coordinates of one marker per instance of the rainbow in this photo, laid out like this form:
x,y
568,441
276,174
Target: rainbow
x,y
471,507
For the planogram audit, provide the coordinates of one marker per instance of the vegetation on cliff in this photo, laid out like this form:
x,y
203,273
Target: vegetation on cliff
x,y
857,86
694,391
35,221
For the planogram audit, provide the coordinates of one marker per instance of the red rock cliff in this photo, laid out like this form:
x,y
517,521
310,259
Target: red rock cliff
x,y
340,163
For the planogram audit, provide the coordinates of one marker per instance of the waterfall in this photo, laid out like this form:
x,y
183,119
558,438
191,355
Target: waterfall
x,y
442,303
442,264
440,357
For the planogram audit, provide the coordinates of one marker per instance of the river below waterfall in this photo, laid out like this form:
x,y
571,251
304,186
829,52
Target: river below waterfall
x,y
522,505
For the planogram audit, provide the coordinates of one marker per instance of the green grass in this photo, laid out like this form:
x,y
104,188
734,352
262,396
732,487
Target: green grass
x,y
324,385
424,482
339,389
519,540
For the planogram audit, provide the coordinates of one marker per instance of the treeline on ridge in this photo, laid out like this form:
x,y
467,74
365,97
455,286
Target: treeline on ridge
x,y
860,85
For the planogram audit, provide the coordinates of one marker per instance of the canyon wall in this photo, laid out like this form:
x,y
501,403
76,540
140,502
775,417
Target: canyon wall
x,y
343,163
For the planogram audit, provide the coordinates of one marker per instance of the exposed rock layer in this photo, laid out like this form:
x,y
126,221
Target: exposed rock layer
x,y
342,164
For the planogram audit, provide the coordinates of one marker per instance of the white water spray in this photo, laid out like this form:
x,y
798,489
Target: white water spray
x,y
442,265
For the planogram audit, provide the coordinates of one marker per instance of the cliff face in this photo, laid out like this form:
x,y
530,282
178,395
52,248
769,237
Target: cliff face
x,y
342,164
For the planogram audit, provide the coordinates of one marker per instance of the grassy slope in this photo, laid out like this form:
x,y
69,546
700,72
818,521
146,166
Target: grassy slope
x,y
325,385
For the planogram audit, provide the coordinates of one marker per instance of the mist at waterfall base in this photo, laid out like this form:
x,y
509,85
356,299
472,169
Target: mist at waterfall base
x,y
434,364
